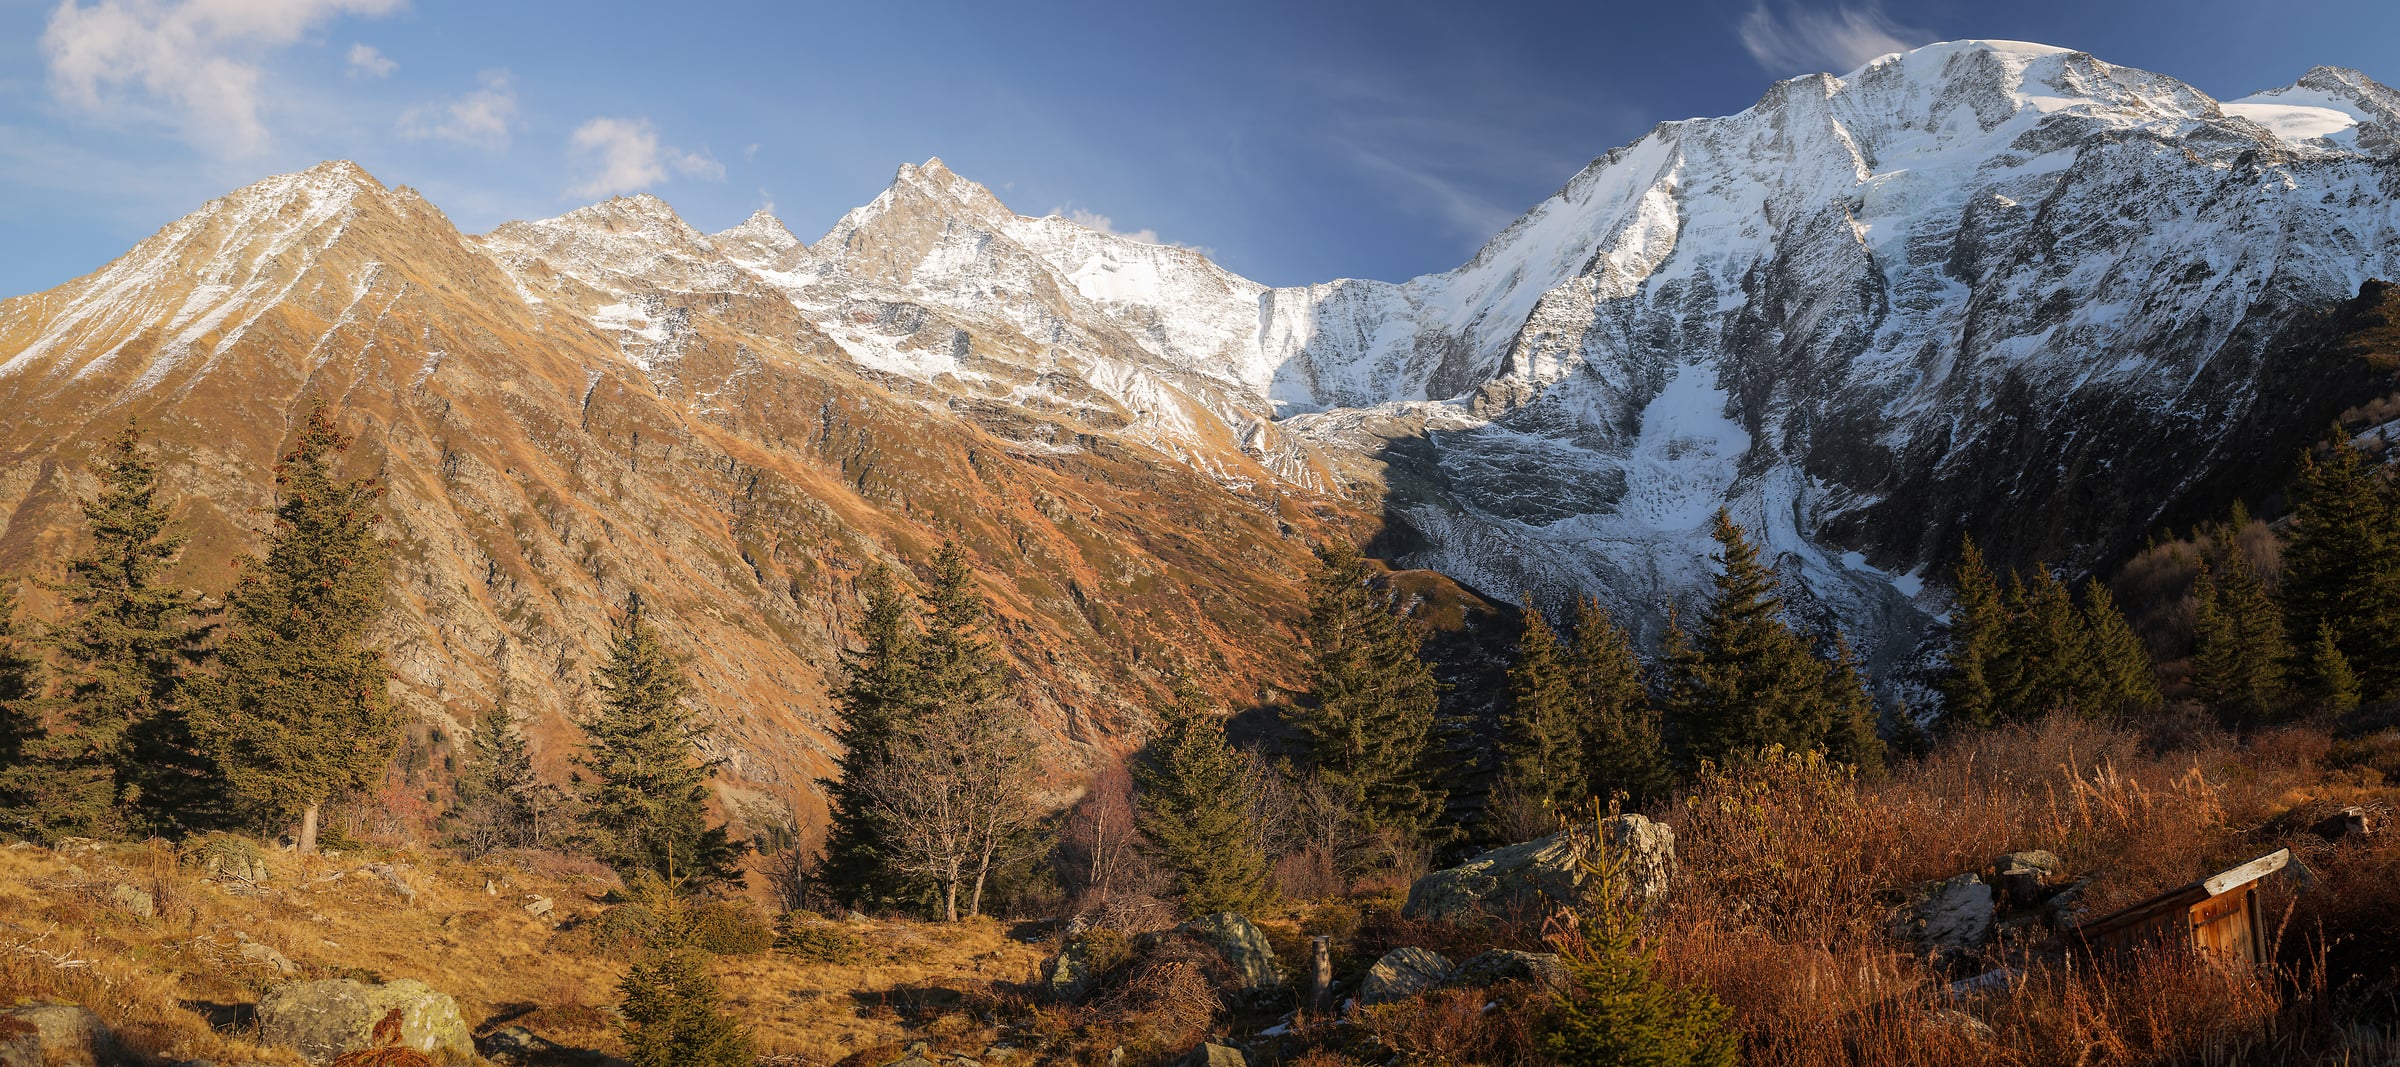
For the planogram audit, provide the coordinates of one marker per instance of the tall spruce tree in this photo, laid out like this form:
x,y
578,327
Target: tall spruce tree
x,y
300,709
877,688
1742,679
1622,752
1369,711
2238,666
2047,664
1850,734
953,791
122,758
1541,740
23,684
2128,680
647,801
1194,804
1978,641
2341,569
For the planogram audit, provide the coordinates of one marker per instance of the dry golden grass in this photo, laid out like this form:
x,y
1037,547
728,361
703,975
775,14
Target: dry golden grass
x,y
60,938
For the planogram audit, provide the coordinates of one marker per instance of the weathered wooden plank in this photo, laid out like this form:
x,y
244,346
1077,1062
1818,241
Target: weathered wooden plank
x,y
2247,873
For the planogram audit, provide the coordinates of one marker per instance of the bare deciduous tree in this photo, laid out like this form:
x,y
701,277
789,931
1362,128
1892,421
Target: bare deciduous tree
x,y
956,792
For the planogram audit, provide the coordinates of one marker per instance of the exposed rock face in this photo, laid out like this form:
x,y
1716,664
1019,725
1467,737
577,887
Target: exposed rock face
x,y
54,1035
1524,879
1242,944
323,1020
1402,973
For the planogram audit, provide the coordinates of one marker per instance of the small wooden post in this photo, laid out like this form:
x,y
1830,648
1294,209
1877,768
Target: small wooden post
x,y
1320,973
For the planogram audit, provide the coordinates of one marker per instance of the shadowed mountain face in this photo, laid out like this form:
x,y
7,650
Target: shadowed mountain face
x,y
1981,287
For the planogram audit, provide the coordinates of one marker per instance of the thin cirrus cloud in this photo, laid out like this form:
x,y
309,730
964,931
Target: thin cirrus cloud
x,y
480,119
623,155
369,61
1092,220
1785,39
194,64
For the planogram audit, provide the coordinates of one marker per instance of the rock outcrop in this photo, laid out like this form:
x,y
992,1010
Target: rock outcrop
x,y
1523,880
1243,945
54,1035
1402,973
324,1019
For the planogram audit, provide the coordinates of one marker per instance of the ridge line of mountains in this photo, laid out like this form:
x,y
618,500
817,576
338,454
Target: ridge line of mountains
x,y
1981,287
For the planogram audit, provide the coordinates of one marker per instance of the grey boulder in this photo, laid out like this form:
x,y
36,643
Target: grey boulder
x,y
1402,973
323,1020
54,1035
1242,944
1546,872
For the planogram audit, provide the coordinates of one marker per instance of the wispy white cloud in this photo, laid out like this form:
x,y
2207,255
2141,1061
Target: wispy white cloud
x,y
623,155
369,61
196,64
1092,220
1788,39
481,118
699,165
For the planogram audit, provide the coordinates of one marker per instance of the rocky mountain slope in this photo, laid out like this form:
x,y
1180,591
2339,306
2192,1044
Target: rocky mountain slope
x,y
1981,287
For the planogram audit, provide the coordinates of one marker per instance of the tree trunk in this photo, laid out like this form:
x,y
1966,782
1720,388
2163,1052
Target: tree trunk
x,y
950,899
308,829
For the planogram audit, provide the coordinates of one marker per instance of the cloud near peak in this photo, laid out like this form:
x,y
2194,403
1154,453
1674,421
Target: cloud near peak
x,y
623,156
1786,38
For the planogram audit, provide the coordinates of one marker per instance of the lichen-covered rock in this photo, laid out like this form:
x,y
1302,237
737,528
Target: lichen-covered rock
x,y
324,1019
54,1035
1404,972
133,901
1545,872
1508,965
1951,919
1071,971
1242,944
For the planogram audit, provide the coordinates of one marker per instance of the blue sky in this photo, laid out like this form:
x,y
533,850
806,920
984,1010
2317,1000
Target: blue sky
x,y
1295,141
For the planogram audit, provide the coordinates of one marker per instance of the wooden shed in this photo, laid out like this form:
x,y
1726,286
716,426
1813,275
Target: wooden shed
x,y
2218,915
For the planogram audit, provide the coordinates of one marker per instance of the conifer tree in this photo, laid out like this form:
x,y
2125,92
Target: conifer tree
x,y
2047,664
2341,569
122,758
952,794
1622,752
648,797
299,709
2128,682
1541,743
1194,804
673,1014
1742,679
2238,667
1614,1009
877,688
22,731
1850,735
1369,711
1978,631
2332,685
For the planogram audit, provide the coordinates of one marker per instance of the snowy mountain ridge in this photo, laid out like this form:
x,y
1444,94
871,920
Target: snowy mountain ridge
x,y
1950,291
